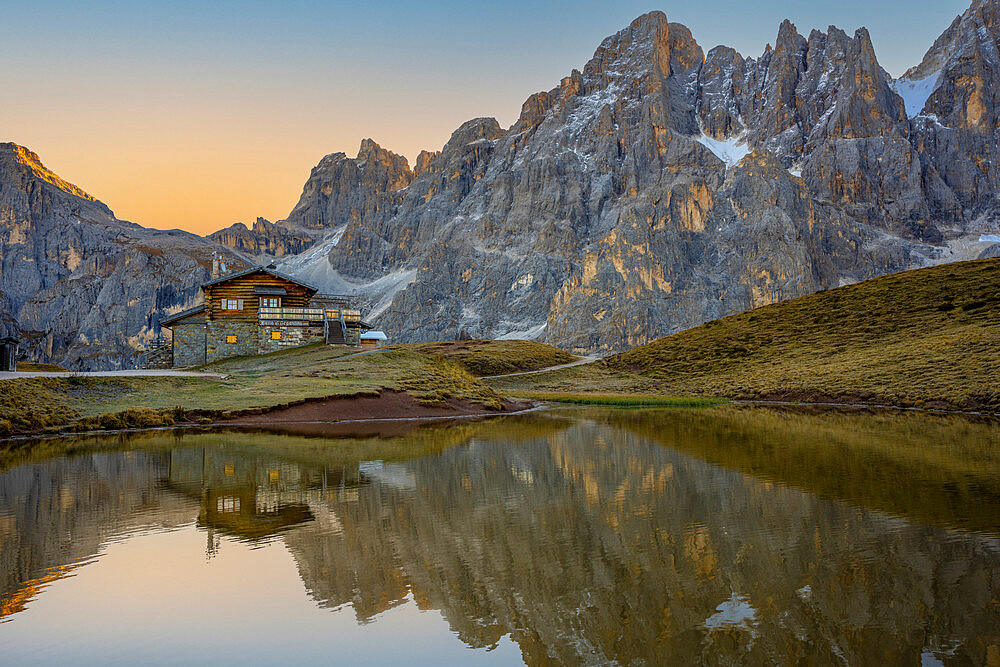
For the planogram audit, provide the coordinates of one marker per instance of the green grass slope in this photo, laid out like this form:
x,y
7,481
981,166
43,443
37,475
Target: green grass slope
x,y
496,357
927,337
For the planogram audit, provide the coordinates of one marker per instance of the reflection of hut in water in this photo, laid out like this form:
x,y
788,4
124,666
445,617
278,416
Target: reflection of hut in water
x,y
234,511
241,495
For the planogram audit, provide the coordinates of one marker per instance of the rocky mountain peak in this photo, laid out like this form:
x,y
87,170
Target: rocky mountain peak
x,y
477,129
339,188
263,238
789,41
957,82
650,45
21,157
370,154
423,161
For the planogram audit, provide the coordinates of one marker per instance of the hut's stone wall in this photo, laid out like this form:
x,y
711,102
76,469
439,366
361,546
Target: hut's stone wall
x,y
218,345
189,344
291,336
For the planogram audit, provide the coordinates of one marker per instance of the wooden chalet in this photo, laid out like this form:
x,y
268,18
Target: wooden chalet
x,y
256,311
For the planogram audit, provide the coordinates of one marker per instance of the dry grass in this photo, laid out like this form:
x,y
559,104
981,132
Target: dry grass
x,y
929,337
495,357
33,404
29,367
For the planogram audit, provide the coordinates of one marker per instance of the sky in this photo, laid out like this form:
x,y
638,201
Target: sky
x,y
196,115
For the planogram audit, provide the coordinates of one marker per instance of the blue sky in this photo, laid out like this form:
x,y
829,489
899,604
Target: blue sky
x,y
125,97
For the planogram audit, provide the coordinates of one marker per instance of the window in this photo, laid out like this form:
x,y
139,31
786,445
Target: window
x,y
275,335
232,304
270,302
231,338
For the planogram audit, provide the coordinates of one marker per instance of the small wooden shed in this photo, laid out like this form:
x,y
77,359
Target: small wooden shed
x,y
8,354
373,339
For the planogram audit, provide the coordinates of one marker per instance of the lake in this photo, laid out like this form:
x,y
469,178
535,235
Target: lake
x,y
730,535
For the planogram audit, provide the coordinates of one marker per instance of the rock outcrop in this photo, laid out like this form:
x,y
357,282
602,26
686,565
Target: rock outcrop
x,y
263,239
342,189
8,323
660,187
86,289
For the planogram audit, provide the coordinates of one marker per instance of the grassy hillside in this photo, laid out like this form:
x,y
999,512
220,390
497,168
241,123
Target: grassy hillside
x,y
924,337
496,357
264,381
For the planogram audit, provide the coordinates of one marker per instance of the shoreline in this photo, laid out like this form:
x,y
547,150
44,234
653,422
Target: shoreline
x,y
361,408
289,416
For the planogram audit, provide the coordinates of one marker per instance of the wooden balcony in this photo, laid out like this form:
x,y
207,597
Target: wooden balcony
x,y
292,314
343,314
309,314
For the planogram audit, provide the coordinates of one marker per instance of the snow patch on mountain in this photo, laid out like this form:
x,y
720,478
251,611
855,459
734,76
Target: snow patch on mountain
x,y
299,265
531,333
730,150
313,267
915,93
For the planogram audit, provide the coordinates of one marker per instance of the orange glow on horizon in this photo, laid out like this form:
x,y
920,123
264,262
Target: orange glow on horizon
x,y
202,184
201,164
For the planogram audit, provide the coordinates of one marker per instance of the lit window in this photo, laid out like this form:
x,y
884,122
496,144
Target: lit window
x,y
231,304
231,338
275,335
270,302
228,504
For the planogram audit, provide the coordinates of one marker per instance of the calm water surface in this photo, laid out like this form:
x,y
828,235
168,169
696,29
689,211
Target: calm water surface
x,y
723,536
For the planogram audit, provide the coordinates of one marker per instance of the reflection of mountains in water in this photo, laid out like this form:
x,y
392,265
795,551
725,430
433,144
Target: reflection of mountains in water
x,y
585,542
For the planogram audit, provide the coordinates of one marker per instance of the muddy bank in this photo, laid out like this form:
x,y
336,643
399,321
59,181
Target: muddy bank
x,y
386,405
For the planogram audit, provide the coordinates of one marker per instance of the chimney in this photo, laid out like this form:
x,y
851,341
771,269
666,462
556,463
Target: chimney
x,y
215,265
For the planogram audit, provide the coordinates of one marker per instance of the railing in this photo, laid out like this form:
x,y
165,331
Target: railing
x,y
300,314
310,314
343,314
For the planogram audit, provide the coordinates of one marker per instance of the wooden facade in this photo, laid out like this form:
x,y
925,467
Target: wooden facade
x,y
248,289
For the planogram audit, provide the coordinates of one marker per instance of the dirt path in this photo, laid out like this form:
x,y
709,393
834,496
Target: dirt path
x,y
579,362
110,374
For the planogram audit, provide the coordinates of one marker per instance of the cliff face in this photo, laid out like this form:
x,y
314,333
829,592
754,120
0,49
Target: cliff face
x,y
264,238
660,187
341,189
86,289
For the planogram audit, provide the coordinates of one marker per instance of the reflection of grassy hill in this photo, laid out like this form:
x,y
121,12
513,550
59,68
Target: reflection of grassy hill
x,y
496,357
926,336
423,440
938,469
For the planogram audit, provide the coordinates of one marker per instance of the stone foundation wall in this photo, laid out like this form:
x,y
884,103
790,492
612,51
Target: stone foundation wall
x,y
189,344
159,358
291,336
217,345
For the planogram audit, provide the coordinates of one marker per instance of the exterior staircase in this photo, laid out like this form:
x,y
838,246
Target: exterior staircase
x,y
336,332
